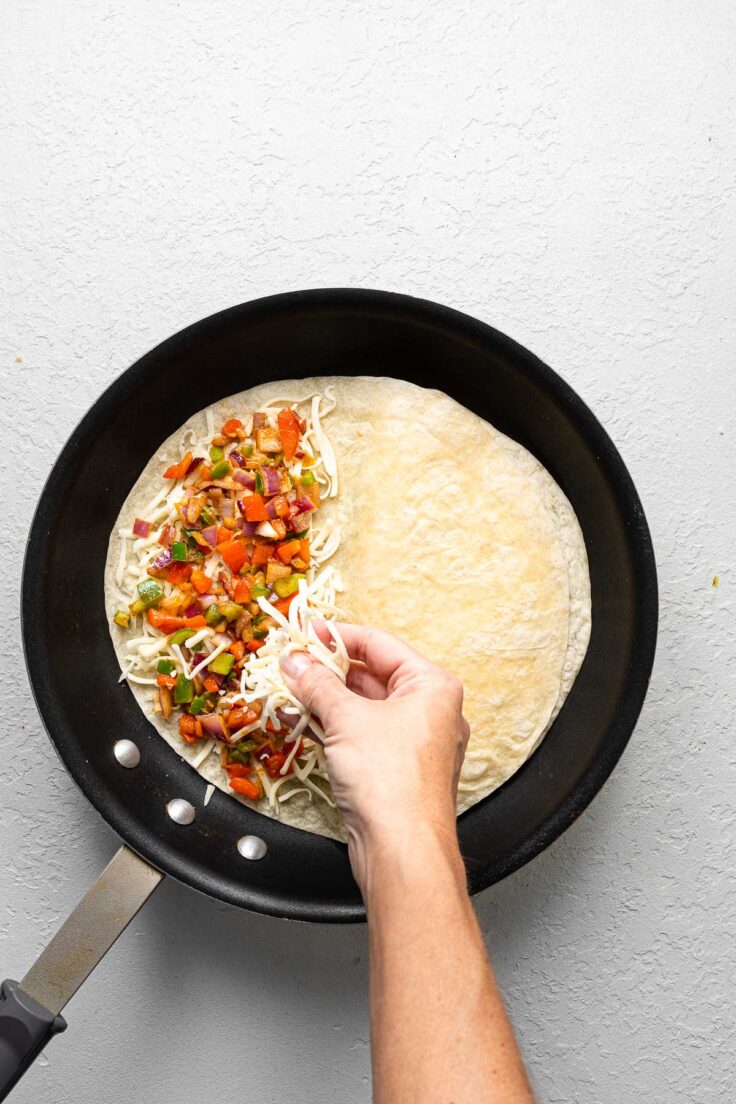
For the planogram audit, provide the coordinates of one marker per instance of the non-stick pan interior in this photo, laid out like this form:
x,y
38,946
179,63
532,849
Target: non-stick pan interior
x,y
71,661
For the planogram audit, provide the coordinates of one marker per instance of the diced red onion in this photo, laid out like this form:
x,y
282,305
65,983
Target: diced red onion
x,y
194,463
259,420
288,719
247,527
162,560
193,610
265,529
227,508
271,508
304,504
207,600
235,458
210,535
227,582
271,481
221,638
245,479
214,725
298,522
141,528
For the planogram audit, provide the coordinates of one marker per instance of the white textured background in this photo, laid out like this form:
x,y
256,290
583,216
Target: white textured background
x,y
563,170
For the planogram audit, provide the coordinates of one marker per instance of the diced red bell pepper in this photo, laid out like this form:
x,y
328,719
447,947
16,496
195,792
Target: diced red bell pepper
x,y
190,728
237,648
241,592
238,770
254,645
287,550
274,763
290,430
283,603
262,553
238,717
178,573
200,581
234,553
254,508
232,427
304,550
211,685
244,786
167,681
223,534
168,624
178,471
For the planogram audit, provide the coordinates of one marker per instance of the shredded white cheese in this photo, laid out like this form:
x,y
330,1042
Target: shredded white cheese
x,y
261,679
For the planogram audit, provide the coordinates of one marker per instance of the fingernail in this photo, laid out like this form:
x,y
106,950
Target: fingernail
x,y
295,664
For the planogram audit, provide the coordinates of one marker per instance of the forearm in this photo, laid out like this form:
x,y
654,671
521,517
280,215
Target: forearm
x,y
440,1032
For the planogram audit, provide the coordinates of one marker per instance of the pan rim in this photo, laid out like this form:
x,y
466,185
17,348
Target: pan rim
x,y
463,326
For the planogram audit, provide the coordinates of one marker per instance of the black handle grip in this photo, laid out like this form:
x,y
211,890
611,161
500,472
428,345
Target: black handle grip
x,y
25,1028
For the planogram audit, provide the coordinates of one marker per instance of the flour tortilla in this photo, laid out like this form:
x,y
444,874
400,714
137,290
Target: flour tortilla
x,y
456,539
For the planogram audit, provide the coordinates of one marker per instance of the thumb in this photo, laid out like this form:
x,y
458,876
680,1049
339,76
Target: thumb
x,y
318,688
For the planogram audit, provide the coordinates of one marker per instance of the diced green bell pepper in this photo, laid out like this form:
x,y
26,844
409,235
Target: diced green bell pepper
x,y
207,517
260,488
290,585
216,454
180,636
240,752
259,592
248,450
184,690
212,614
165,666
150,592
179,552
198,705
122,618
231,611
298,536
220,470
307,478
137,607
222,664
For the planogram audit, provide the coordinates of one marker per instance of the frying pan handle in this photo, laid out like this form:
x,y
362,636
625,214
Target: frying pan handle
x,y
25,1028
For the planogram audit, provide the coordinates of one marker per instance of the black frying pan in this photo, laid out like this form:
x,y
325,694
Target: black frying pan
x,y
72,665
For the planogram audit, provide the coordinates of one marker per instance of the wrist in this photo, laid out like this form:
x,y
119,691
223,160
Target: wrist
x,y
405,852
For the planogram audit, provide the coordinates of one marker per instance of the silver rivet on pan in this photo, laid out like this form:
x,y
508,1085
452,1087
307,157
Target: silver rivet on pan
x,y
180,811
252,847
126,753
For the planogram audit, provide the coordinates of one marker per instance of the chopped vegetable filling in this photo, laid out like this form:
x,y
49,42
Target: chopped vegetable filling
x,y
225,579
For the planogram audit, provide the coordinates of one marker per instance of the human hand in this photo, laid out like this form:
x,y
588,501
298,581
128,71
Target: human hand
x,y
395,738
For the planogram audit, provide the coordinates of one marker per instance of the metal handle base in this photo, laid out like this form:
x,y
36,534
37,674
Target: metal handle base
x,y
29,1011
